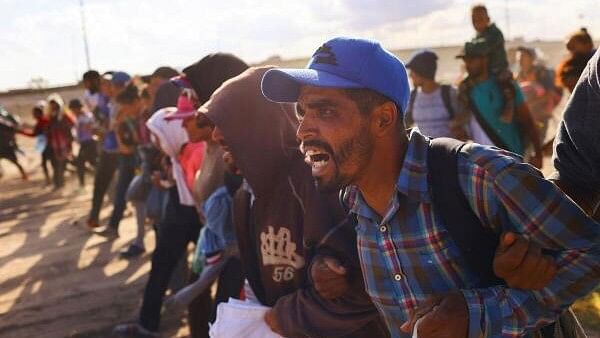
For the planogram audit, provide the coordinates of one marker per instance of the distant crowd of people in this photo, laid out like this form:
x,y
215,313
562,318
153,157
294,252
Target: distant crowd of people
x,y
313,202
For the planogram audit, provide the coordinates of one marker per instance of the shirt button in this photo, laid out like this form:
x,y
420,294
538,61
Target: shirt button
x,y
397,276
383,228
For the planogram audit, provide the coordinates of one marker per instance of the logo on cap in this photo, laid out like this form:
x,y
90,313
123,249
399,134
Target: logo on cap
x,y
326,56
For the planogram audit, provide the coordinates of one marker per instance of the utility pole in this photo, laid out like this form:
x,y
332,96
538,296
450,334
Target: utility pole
x,y
507,18
84,32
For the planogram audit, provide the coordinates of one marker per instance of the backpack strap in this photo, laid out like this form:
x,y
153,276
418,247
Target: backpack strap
x,y
445,89
408,118
476,243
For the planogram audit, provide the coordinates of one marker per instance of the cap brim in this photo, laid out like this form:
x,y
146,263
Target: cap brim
x,y
181,81
283,85
179,115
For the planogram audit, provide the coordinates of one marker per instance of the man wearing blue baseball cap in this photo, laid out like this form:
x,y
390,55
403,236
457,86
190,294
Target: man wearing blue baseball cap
x,y
428,211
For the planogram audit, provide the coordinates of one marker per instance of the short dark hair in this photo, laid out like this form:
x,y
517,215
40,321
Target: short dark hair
x,y
91,75
479,7
75,103
165,72
367,99
129,95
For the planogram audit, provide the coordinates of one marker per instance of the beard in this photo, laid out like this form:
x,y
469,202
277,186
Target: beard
x,y
357,151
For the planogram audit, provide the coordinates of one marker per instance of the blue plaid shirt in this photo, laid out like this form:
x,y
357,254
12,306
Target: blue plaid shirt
x,y
407,255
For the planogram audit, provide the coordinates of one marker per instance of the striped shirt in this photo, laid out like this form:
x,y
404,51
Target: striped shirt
x,y
408,255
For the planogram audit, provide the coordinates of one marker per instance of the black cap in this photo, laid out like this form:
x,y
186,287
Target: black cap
x,y
475,48
207,74
424,63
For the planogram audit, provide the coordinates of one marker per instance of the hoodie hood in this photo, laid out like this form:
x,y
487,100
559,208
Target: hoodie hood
x,y
261,134
172,137
207,74
171,134
61,104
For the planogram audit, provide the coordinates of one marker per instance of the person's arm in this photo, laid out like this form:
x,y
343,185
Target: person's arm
x,y
459,125
511,196
305,314
528,127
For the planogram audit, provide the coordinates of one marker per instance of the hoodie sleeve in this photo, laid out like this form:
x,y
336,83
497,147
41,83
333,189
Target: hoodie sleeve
x,y
304,313
576,151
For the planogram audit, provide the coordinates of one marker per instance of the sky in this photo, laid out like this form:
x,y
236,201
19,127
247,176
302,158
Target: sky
x,y
44,38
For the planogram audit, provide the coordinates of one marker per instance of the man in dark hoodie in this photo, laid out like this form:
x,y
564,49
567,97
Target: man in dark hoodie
x,y
281,220
180,225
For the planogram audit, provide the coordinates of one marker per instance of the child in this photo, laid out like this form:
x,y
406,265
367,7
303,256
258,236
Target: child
x,y
39,131
59,138
84,125
498,61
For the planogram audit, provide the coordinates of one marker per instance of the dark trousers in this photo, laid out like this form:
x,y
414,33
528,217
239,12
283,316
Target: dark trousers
x,y
126,168
231,281
46,157
179,226
87,154
58,170
105,170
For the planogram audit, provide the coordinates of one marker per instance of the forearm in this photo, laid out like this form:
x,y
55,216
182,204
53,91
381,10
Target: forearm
x,y
305,314
501,311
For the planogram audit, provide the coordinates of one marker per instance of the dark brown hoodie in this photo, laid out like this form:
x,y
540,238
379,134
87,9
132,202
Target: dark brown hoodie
x,y
289,221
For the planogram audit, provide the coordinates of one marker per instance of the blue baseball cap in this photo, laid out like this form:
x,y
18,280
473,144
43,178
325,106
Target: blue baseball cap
x,y
343,63
118,78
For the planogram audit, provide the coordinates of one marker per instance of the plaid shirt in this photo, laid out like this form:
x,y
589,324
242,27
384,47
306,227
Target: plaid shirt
x,y
408,255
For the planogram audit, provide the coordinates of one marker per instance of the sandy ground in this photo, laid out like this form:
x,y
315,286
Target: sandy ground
x,y
57,279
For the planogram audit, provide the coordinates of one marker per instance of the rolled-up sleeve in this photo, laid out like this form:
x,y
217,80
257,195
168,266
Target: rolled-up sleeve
x,y
517,198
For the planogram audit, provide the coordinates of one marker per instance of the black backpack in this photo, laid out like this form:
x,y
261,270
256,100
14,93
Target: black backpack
x,y
445,91
477,244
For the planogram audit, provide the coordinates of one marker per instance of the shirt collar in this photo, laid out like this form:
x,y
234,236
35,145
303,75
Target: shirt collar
x,y
412,181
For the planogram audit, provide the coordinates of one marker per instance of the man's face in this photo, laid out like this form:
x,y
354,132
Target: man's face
x,y
106,88
198,129
475,65
525,60
480,20
132,109
416,79
76,110
155,82
335,136
54,108
228,158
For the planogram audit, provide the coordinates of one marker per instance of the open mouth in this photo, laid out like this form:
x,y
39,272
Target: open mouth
x,y
316,159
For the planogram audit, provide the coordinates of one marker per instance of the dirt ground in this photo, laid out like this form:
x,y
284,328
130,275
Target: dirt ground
x,y
57,279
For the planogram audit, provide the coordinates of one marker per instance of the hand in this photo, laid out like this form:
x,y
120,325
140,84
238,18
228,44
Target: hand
x,y
441,317
329,277
272,322
521,263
